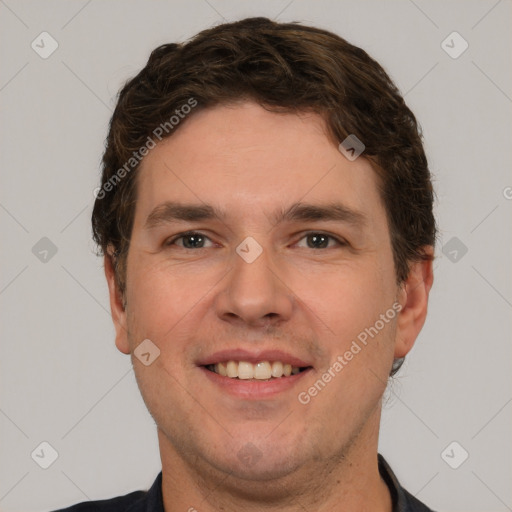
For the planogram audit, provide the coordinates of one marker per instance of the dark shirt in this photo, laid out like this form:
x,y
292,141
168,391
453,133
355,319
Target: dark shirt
x,y
151,501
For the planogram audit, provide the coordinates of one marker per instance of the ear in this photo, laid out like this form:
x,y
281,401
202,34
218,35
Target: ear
x,y
116,306
413,297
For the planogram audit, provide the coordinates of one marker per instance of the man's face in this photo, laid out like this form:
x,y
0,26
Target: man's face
x,y
205,299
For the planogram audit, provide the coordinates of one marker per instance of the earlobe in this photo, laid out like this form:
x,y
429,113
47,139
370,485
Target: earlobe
x,y
413,297
117,309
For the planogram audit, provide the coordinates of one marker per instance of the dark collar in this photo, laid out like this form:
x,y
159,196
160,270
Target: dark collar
x,y
402,500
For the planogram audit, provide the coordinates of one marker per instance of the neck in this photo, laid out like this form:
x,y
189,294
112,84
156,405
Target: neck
x,y
348,481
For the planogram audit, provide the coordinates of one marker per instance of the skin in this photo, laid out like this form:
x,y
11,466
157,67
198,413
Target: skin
x,y
310,302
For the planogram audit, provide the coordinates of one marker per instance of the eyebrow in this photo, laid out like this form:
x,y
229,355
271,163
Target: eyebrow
x,y
171,211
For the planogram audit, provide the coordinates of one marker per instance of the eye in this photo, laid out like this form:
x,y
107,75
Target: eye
x,y
320,240
190,240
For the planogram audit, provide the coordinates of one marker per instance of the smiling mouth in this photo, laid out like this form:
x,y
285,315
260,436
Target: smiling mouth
x,y
264,370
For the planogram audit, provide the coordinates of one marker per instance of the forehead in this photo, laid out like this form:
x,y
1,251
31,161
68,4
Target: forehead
x,y
254,160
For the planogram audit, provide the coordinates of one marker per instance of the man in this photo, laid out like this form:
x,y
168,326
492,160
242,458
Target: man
x,y
265,216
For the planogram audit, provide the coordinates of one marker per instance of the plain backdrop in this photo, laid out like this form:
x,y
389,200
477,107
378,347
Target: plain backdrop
x,y
63,382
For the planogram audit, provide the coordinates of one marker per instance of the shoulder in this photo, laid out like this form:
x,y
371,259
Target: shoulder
x,y
413,504
403,501
133,502
137,501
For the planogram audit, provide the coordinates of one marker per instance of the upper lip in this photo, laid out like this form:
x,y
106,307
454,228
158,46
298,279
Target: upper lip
x,y
253,357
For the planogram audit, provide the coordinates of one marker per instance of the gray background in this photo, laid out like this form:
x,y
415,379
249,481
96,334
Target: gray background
x,y
62,379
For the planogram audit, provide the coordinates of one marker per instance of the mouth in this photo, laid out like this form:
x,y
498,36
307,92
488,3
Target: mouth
x,y
255,377
261,371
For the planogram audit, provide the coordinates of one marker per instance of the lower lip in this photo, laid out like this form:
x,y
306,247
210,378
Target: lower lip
x,y
252,389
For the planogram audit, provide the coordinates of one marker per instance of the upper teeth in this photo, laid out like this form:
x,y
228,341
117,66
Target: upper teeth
x,y
261,371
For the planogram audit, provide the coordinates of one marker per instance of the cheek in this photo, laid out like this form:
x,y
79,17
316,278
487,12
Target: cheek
x,y
354,301
157,300
167,302
350,307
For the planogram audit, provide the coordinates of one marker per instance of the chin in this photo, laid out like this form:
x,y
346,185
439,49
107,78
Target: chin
x,y
258,464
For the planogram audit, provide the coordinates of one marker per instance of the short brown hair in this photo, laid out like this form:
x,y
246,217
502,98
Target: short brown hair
x,y
285,67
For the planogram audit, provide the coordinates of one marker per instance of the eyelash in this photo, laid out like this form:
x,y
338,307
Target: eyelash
x,y
170,242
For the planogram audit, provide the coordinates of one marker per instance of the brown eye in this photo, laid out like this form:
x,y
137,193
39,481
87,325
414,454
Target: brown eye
x,y
320,240
190,240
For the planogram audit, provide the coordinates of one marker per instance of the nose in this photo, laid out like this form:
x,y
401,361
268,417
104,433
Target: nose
x,y
255,293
